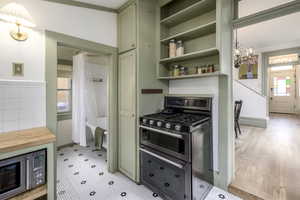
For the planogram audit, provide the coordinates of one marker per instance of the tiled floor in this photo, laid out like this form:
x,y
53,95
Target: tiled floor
x,y
82,175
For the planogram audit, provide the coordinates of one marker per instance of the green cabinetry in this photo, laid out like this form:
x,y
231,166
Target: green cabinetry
x,y
127,28
138,35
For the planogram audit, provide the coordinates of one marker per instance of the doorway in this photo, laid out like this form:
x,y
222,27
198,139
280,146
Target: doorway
x,y
270,34
53,40
282,83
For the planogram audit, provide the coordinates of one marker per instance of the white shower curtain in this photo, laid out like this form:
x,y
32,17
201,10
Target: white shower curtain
x,y
83,99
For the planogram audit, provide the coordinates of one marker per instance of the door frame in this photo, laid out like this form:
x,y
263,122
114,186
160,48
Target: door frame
x,y
52,40
295,88
268,14
266,69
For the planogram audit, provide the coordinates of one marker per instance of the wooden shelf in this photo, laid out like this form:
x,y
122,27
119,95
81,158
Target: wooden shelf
x,y
32,194
193,33
190,76
197,54
189,12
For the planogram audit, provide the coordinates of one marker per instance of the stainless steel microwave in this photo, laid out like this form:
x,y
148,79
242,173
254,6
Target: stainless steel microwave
x,y
22,173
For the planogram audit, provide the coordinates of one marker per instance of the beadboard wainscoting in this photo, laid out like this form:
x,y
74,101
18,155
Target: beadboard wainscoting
x,y
22,105
202,87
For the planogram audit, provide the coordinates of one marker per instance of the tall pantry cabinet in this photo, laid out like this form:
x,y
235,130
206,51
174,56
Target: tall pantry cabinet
x,y
137,73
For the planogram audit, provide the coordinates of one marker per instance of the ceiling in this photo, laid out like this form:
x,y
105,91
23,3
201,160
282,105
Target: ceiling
x,y
278,33
115,4
248,7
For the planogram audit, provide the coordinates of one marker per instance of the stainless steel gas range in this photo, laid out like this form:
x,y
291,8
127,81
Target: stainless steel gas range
x,y
176,153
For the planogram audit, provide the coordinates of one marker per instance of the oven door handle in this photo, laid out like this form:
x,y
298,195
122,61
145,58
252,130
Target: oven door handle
x,y
162,158
163,132
27,174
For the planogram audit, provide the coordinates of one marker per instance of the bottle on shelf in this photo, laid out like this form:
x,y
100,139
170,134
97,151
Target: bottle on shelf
x,y
175,70
183,71
179,48
172,48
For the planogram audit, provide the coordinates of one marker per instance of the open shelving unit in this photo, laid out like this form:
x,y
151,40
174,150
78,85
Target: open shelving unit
x,y
195,23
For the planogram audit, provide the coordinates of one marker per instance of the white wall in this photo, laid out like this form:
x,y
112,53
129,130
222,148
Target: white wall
x,y
89,24
254,105
31,53
202,86
101,89
22,105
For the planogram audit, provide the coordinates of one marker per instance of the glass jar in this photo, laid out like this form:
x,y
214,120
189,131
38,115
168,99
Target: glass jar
x,y
179,48
199,70
204,69
172,48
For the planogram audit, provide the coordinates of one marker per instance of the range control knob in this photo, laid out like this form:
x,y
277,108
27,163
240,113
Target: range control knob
x,y
151,122
168,125
178,127
145,121
159,124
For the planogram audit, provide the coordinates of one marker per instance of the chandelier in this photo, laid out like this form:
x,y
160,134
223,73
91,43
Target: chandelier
x,y
242,55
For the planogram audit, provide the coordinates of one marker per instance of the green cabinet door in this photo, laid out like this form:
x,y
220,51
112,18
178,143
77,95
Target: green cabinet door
x,y
127,114
127,28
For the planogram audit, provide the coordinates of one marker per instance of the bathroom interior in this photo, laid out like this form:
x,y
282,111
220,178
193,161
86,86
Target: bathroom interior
x,y
82,100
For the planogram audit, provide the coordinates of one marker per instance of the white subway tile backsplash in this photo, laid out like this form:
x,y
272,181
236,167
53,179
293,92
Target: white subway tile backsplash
x,y
22,105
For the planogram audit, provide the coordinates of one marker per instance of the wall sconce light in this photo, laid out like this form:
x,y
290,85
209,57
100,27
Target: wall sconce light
x,y
17,14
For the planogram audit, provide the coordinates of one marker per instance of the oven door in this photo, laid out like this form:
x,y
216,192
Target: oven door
x,y
12,177
166,176
173,144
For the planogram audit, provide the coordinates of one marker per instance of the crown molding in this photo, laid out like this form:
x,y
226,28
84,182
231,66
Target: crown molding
x,y
84,5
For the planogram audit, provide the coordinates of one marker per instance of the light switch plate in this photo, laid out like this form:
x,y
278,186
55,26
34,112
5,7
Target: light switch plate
x,y
18,69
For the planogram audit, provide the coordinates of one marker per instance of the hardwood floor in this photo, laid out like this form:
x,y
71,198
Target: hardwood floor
x,y
268,161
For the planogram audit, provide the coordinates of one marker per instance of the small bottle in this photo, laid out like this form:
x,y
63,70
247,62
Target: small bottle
x,y
183,71
209,69
175,70
212,68
199,70
179,48
172,48
204,69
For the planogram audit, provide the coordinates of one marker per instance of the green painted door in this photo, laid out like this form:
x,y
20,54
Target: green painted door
x,y
127,28
127,114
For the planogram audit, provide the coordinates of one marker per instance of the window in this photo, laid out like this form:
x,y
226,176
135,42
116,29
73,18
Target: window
x,y
282,68
284,59
282,86
64,95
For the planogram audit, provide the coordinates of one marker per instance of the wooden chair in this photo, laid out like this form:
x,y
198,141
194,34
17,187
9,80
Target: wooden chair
x,y
237,111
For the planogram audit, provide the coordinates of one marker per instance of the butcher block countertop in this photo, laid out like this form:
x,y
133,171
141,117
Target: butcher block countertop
x,y
16,140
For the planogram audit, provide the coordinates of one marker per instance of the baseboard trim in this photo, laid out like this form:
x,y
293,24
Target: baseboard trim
x,y
65,145
256,122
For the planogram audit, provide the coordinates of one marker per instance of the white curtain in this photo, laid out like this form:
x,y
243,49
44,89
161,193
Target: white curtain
x,y
91,102
84,105
78,103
